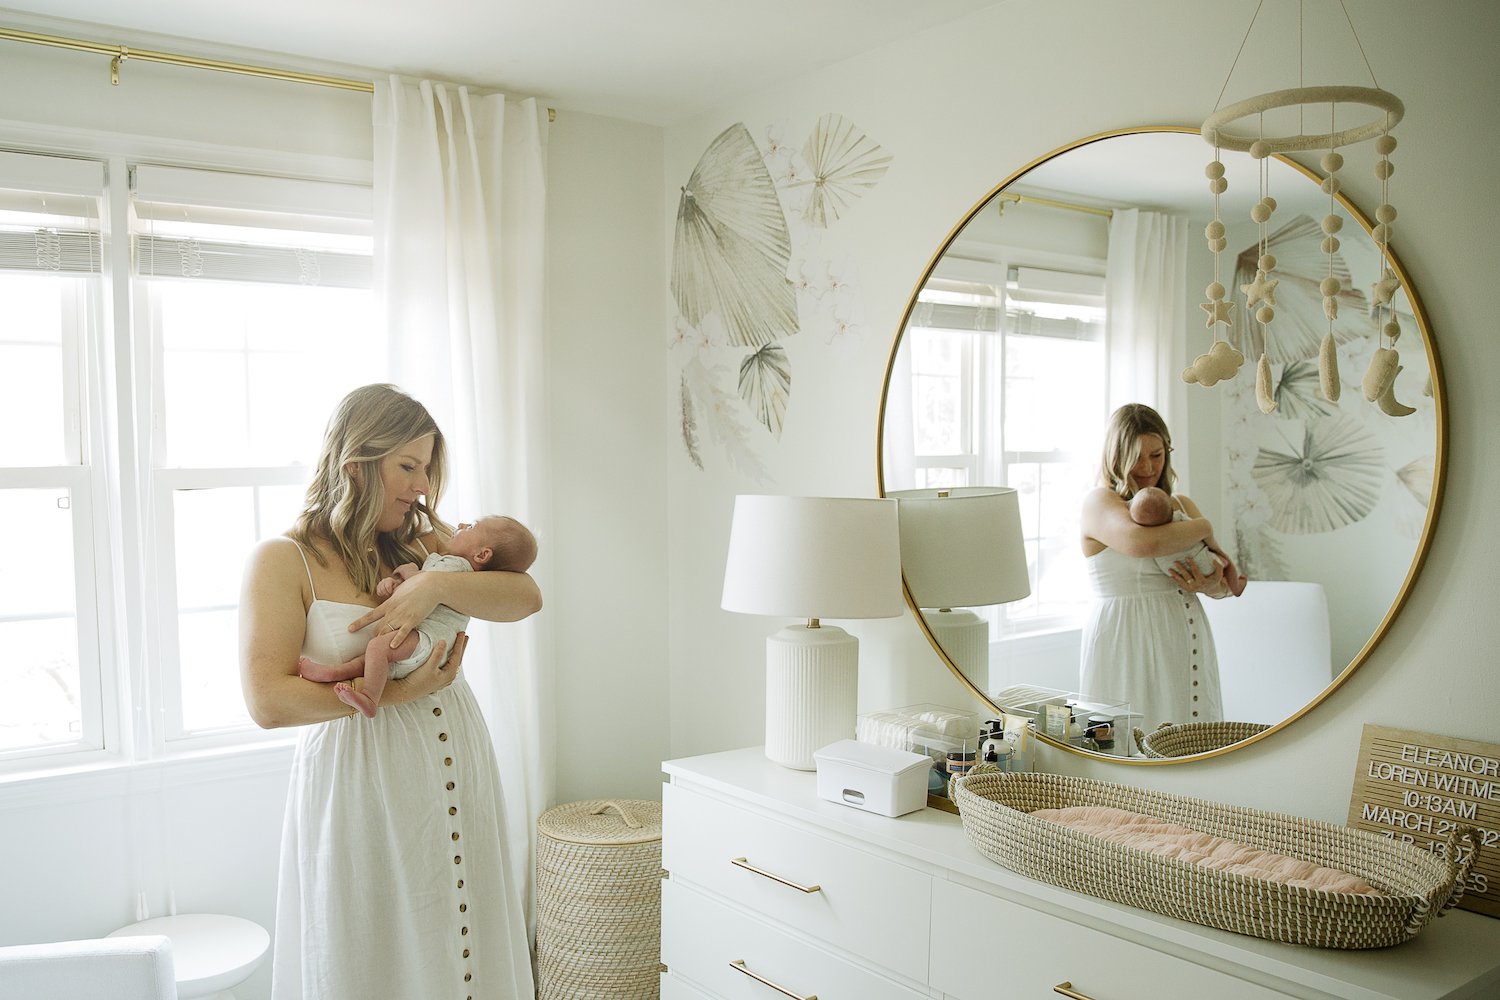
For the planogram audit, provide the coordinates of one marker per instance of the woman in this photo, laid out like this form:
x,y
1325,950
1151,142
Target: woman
x,y
413,795
1146,640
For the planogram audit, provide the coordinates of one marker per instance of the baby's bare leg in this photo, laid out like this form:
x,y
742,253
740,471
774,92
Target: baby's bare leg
x,y
325,672
377,668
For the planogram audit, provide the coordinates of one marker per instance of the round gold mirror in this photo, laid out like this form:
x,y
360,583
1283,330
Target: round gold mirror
x,y
1074,287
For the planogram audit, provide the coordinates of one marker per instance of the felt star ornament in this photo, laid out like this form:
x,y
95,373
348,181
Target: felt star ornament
x,y
1262,289
1383,290
1218,311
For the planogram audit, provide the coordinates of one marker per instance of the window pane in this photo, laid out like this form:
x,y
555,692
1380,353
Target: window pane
x,y
225,524
39,673
32,358
211,699
252,370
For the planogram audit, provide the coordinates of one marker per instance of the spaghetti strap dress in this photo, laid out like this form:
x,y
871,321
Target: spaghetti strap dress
x,y
393,881
1147,641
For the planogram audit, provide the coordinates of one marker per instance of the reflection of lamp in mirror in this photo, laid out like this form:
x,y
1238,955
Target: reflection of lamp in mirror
x,y
812,558
962,548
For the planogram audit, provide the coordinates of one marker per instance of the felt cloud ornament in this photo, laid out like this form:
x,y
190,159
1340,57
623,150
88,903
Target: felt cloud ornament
x,y
1221,362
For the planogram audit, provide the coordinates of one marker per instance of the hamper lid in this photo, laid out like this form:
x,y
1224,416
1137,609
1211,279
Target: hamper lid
x,y
603,822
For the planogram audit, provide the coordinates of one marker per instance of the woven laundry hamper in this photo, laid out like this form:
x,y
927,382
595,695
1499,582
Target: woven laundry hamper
x,y
598,900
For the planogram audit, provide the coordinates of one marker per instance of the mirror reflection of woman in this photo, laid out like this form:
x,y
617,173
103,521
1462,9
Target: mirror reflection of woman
x,y
1146,640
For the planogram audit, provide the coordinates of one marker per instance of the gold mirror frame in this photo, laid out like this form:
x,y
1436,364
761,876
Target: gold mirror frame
x,y
1440,459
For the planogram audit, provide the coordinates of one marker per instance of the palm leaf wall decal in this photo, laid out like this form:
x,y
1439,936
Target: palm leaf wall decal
x,y
766,384
731,248
1299,395
1300,324
1416,476
689,423
1333,480
844,163
722,414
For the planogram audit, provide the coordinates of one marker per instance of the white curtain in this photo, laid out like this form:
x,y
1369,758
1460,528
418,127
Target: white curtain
x,y
1145,291
460,198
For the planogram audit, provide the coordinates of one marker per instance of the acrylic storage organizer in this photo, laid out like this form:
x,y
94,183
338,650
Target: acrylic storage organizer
x,y
1099,725
949,736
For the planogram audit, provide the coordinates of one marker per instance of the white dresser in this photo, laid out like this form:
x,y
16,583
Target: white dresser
x,y
775,893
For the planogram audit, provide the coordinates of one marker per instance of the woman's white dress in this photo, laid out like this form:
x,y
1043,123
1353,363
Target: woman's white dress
x,y
1147,641
393,879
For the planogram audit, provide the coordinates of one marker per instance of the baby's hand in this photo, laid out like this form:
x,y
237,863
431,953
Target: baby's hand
x,y
384,588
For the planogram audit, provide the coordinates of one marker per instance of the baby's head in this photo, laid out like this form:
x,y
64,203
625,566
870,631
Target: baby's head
x,y
1151,506
495,542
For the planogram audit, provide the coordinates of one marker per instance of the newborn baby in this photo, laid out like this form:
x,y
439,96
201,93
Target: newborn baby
x,y
1152,506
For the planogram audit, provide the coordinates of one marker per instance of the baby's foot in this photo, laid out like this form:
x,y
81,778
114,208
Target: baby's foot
x,y
355,699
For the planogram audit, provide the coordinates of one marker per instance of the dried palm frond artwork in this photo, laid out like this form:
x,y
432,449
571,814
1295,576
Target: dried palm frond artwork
x,y
720,413
1416,476
731,249
1332,480
766,384
1301,267
844,163
1299,395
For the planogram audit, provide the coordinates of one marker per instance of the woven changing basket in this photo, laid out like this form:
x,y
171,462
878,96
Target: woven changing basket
x,y
1418,884
1183,739
598,900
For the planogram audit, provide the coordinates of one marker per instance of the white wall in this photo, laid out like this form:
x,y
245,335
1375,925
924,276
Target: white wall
x,y
961,107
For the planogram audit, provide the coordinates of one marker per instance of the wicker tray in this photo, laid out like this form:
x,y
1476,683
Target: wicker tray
x,y
1184,739
1418,884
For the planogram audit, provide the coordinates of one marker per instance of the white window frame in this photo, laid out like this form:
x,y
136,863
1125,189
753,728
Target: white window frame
x,y
127,631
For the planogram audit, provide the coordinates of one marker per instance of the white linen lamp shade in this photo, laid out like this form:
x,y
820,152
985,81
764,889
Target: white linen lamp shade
x,y
812,558
962,547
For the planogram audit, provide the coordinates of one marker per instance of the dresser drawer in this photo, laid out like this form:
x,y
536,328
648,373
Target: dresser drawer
x,y
864,904
975,936
739,957
673,988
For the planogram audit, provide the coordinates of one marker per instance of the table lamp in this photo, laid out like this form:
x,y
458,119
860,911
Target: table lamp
x,y
962,547
812,558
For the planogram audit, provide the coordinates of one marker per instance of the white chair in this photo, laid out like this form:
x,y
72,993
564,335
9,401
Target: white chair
x,y
134,968
1274,649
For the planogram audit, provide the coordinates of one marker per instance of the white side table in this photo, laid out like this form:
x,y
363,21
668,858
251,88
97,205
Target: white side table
x,y
211,953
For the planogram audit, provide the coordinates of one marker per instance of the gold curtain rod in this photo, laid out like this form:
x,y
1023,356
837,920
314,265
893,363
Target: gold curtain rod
x,y
120,53
1028,199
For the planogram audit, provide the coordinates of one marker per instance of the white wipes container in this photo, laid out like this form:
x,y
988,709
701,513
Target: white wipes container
x,y
876,779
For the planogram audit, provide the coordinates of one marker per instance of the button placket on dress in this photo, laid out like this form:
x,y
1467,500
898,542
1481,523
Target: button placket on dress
x,y
456,836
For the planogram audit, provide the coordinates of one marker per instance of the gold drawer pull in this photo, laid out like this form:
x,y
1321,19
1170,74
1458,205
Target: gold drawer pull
x,y
739,966
1066,989
745,864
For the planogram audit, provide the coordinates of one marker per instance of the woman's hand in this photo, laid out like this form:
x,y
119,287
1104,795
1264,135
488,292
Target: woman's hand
x,y
411,602
437,671
1187,576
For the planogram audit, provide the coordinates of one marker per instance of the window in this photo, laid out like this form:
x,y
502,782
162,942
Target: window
x,y
173,360
1007,368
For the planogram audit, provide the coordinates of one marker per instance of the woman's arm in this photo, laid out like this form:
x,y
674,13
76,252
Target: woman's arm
x,y
1229,581
1106,519
494,595
273,623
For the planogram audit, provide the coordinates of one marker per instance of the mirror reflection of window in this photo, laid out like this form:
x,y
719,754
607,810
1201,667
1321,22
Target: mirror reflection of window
x,y
1031,338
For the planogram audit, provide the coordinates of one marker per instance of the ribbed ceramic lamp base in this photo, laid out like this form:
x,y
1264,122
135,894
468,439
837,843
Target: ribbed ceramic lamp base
x,y
812,688
965,637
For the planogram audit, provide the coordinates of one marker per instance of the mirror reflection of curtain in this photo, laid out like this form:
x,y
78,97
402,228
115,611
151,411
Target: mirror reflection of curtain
x,y
1146,327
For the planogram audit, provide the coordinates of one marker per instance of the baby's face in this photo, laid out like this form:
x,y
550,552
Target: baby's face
x,y
471,536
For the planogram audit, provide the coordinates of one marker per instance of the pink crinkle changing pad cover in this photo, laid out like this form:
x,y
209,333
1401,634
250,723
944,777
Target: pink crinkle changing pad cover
x,y
1156,836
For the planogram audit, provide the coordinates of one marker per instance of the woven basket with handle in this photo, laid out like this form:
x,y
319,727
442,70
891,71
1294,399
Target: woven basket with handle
x,y
1183,739
598,900
1417,885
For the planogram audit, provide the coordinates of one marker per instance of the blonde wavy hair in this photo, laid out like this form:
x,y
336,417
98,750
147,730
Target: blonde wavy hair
x,y
1122,448
369,425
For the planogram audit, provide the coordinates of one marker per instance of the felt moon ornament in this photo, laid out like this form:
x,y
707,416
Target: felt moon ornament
x,y
1328,368
1264,397
1381,374
1388,403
